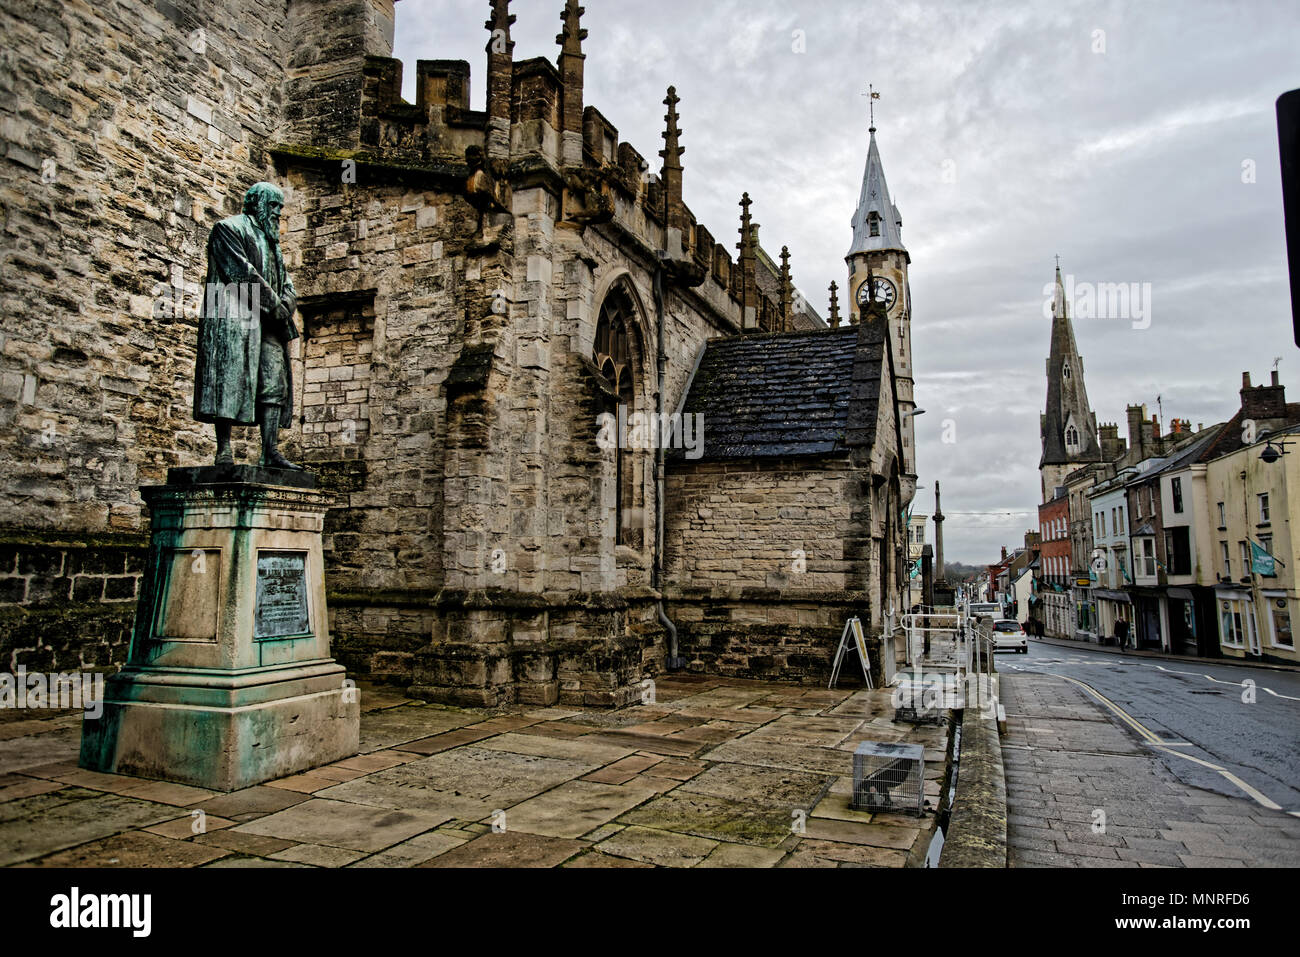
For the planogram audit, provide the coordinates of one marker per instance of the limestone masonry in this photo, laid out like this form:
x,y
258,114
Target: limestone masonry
x,y
477,288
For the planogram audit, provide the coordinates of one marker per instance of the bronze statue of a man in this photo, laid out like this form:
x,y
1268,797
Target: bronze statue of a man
x,y
242,375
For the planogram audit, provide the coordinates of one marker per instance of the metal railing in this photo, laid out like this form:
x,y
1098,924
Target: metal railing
x,y
930,621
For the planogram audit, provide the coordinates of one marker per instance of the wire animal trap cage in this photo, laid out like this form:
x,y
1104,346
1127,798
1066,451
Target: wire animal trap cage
x,y
888,777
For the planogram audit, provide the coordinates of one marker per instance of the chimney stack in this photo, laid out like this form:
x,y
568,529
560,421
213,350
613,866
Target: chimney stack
x,y
1263,402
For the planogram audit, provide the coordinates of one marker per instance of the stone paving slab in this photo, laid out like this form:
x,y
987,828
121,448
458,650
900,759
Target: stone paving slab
x,y
774,786
772,753
70,817
701,815
600,859
384,729
134,849
340,824
742,855
416,851
183,828
27,787
50,743
575,808
242,863
714,773
468,783
813,732
667,745
255,801
317,855
593,753
655,846
817,853
510,849
251,845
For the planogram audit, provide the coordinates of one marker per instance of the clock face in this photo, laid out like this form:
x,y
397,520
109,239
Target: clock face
x,y
885,293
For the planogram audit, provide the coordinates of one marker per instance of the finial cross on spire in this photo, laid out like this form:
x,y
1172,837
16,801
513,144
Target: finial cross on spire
x,y
1058,263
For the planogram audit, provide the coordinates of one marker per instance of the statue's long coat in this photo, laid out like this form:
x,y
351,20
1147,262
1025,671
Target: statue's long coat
x,y
230,336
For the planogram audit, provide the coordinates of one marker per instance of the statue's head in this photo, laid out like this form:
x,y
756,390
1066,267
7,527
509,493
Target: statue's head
x,y
263,203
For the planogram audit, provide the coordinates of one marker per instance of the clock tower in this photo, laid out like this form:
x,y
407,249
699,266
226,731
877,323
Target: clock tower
x,y
878,251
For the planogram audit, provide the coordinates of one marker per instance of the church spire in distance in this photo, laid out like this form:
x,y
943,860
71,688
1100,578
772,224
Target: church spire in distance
x,y
1069,427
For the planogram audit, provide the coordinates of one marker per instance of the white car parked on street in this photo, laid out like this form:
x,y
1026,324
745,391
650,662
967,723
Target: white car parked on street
x,y
1009,635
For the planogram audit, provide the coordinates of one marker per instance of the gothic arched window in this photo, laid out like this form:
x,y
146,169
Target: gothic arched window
x,y
873,220
1072,437
1065,370
614,357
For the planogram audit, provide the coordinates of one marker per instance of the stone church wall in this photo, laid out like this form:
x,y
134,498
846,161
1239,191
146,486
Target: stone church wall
x,y
128,129
450,294
766,559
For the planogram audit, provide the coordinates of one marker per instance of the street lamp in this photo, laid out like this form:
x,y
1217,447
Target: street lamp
x,y
1271,454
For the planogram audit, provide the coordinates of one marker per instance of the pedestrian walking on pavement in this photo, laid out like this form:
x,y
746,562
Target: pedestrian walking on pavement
x,y
1121,633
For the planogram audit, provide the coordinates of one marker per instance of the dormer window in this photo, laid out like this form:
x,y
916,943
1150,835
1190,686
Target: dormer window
x,y
1065,371
1072,437
873,220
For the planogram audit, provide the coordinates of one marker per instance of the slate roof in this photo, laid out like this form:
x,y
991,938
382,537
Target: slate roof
x,y
776,395
1229,438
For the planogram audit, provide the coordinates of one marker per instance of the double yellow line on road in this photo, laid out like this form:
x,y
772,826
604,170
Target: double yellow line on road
x,y
1167,746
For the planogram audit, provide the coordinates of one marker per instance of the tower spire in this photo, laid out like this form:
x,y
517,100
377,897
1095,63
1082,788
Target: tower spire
x,y
1068,424
1059,306
877,224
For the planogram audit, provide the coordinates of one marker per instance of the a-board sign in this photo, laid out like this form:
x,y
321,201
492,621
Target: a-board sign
x,y
852,626
861,640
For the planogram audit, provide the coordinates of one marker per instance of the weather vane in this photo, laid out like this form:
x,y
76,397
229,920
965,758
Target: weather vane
x,y
872,95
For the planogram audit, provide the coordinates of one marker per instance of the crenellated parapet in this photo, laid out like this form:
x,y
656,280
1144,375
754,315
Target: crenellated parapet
x,y
536,131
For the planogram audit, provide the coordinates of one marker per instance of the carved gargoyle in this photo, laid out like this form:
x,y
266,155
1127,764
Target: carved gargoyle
x,y
588,197
485,187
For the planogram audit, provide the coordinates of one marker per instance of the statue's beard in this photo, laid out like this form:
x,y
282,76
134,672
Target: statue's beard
x,y
269,226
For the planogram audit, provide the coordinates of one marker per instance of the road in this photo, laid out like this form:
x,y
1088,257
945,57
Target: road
x,y
1204,711
1140,762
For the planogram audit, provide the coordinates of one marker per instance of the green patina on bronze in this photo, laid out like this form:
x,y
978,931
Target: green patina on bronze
x,y
242,371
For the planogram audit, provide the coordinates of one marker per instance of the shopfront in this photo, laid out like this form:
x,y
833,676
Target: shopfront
x,y
1149,621
1238,630
1112,606
1182,623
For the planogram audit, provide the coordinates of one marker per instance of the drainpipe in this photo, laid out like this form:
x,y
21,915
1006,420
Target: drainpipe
x,y
675,662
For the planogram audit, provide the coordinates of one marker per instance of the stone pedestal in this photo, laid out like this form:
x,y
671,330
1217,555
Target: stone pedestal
x,y
229,680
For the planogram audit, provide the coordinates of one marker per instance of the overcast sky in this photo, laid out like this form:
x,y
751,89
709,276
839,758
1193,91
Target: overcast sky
x,y
1117,135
